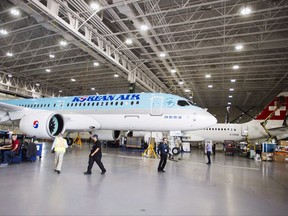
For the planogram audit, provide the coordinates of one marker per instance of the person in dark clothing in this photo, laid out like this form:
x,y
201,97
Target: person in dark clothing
x,y
95,155
163,151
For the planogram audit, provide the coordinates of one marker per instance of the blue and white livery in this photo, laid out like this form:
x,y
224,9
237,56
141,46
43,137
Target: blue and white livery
x,y
47,117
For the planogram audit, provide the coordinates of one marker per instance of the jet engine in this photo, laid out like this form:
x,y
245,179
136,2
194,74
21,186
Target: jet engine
x,y
109,135
43,125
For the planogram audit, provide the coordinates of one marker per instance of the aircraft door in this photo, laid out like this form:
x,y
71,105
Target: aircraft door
x,y
60,105
244,130
156,106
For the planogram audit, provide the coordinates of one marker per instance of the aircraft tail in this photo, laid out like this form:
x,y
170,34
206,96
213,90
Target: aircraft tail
x,y
280,103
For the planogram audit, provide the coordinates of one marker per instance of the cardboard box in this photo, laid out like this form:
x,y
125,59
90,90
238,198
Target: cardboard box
x,y
267,156
281,158
283,142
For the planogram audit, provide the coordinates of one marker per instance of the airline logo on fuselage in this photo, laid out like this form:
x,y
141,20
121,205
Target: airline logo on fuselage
x,y
36,124
122,97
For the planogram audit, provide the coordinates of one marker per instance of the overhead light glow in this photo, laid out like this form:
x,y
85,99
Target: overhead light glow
x,y
51,56
173,70
60,91
187,90
96,64
116,75
235,67
229,103
73,80
48,70
238,47
3,32
207,76
128,41
144,27
210,86
15,12
162,55
10,75
246,11
93,89
181,83
37,84
231,89
9,54
233,80
95,6
63,43
230,96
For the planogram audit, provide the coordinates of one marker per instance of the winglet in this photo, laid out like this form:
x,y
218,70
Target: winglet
x,y
280,101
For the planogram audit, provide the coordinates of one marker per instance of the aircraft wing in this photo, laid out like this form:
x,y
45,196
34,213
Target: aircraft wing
x,y
279,131
10,112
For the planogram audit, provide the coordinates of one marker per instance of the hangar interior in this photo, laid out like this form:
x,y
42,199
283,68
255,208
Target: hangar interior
x,y
216,53
221,54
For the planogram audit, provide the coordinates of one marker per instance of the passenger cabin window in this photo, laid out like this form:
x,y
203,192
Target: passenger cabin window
x,y
183,103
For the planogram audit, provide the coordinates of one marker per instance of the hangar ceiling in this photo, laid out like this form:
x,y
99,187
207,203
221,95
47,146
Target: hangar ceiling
x,y
198,39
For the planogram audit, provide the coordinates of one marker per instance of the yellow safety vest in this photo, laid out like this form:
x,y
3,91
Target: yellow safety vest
x,y
60,145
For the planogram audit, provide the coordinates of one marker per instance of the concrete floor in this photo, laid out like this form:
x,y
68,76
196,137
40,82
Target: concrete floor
x,y
132,186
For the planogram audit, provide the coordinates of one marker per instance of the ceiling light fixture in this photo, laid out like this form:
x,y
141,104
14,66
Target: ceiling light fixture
x,y
233,80
210,86
187,90
96,64
229,103
3,32
95,6
231,89
15,12
162,55
48,70
116,75
181,83
51,56
230,96
93,89
239,47
173,70
128,41
144,27
246,11
9,54
37,84
73,80
60,91
207,76
9,75
235,67
63,43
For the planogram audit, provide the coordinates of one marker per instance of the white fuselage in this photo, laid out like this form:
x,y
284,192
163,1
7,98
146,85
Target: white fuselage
x,y
236,132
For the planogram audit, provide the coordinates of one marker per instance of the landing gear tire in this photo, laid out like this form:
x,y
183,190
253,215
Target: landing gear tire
x,y
176,151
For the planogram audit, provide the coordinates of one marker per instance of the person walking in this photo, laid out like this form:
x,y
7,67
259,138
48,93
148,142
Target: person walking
x,y
208,150
163,151
95,155
59,146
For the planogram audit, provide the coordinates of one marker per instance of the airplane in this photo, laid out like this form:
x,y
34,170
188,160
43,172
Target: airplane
x,y
276,124
47,117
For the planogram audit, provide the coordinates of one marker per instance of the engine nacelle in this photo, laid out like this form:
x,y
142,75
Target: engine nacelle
x,y
42,125
109,135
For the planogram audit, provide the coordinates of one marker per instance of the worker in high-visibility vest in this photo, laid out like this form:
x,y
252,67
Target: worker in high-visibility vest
x,y
59,147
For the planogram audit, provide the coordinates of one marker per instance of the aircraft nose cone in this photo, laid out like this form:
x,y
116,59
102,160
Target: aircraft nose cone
x,y
207,120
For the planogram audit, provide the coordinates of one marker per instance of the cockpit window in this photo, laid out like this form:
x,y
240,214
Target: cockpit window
x,y
186,103
183,103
